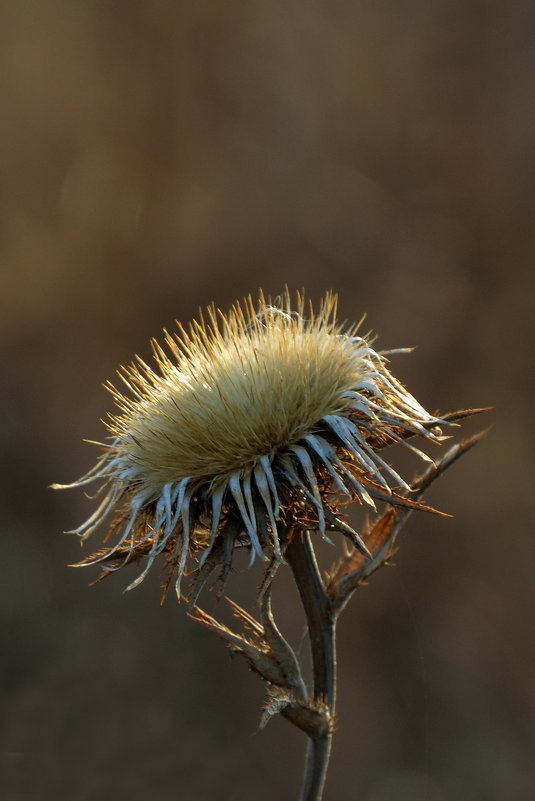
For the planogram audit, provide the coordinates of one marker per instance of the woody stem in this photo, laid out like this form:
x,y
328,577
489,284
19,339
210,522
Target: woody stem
x,y
321,630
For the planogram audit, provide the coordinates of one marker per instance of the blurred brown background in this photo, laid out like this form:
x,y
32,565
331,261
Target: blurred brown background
x,y
158,156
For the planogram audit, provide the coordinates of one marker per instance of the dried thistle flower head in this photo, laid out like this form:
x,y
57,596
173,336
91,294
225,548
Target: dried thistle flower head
x,y
251,420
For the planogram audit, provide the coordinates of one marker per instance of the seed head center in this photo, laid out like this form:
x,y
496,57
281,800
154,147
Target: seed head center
x,y
229,404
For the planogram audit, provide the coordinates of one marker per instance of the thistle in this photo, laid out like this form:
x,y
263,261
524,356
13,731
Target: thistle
x,y
251,430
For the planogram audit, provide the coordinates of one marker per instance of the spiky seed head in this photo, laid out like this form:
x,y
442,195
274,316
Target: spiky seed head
x,y
251,423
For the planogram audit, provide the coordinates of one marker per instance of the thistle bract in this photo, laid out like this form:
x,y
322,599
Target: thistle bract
x,y
265,414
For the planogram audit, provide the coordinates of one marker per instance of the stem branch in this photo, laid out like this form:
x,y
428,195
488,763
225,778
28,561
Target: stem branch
x,y
321,631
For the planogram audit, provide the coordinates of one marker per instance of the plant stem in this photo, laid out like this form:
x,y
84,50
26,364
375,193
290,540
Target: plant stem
x,y
321,631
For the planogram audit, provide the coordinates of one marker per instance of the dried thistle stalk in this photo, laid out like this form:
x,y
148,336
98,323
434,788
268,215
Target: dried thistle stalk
x,y
250,433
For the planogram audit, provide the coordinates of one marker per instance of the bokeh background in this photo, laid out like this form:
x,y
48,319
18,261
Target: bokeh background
x,y
158,156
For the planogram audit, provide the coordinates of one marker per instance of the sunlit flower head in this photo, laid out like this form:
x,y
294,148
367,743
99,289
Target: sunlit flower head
x,y
249,425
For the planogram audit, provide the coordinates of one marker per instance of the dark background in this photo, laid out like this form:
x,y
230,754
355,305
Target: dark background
x,y
158,156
